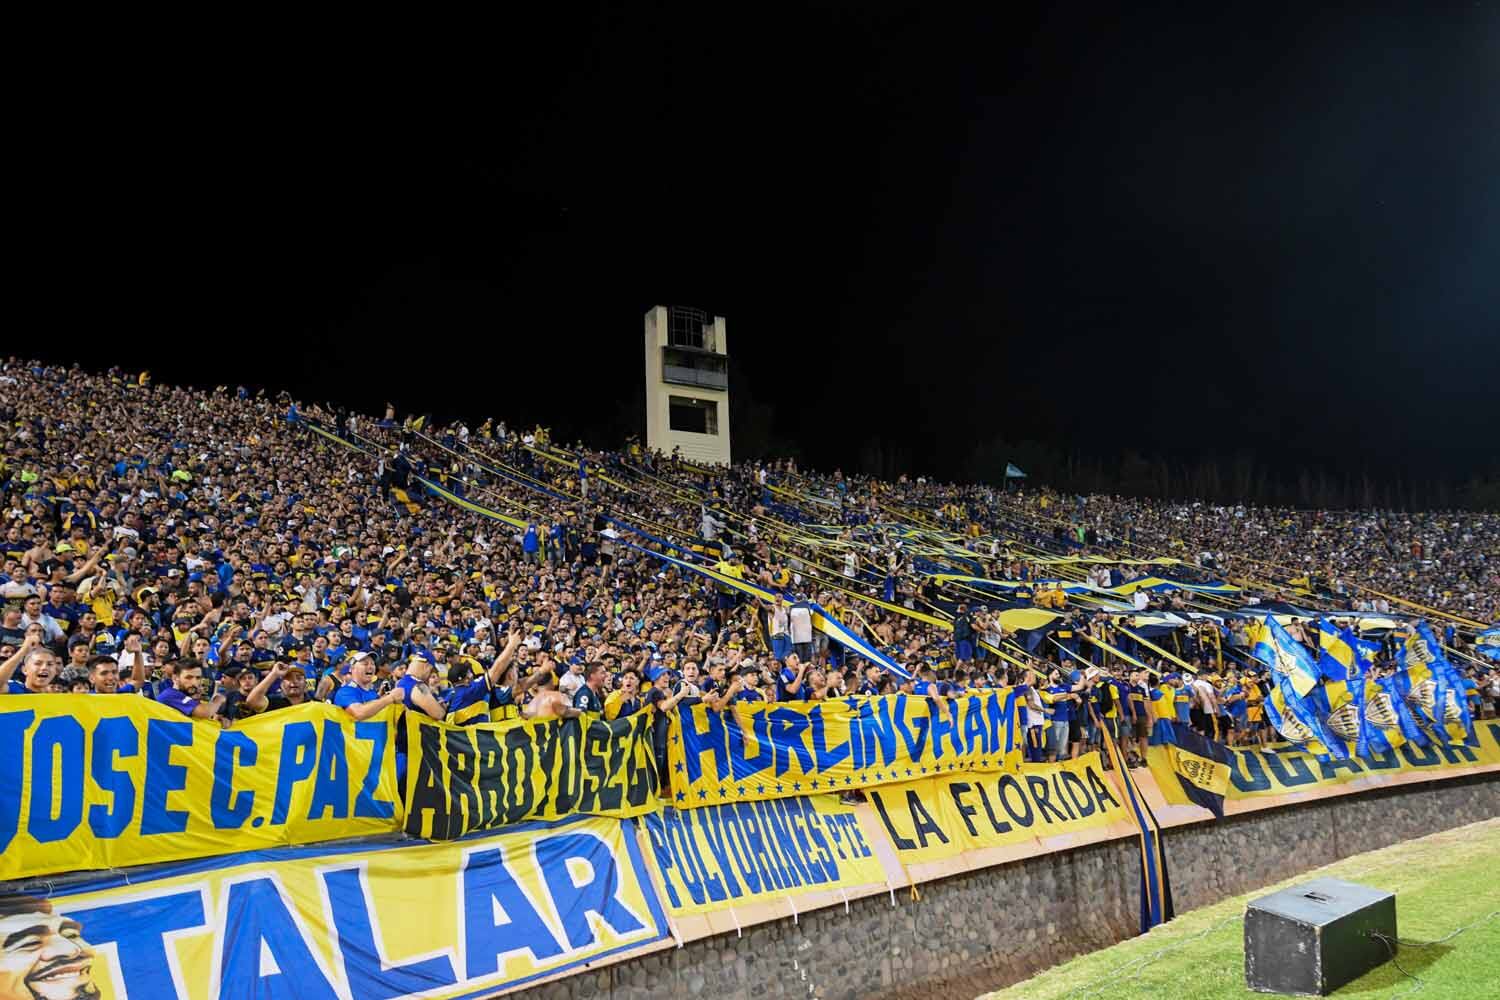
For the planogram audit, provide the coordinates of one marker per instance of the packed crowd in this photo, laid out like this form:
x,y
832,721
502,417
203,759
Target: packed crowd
x,y
207,550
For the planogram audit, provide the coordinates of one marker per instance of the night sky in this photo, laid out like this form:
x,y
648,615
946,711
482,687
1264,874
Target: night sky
x,y
1186,234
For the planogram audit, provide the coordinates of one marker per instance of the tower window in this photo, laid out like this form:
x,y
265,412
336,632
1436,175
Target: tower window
x,y
694,416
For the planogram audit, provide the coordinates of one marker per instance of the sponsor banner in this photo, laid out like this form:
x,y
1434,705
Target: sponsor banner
x,y
1262,775
753,751
943,817
107,782
462,779
335,923
722,856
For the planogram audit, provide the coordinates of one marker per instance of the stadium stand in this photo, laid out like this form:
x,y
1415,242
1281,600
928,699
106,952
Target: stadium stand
x,y
173,542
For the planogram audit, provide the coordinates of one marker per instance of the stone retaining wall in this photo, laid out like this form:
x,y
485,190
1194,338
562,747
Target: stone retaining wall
x,y
964,935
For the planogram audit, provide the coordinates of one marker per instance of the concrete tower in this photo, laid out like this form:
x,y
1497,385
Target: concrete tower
x,y
687,384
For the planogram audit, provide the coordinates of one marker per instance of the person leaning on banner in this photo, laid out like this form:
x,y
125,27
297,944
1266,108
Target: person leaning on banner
x,y
293,690
358,696
185,693
38,664
414,691
789,679
589,698
471,699
624,701
247,696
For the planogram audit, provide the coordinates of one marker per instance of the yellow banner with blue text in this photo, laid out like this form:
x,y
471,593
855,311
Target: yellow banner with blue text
x,y
1256,773
727,855
110,781
946,816
755,751
442,921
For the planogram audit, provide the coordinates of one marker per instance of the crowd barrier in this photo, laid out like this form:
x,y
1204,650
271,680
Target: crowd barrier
x,y
499,908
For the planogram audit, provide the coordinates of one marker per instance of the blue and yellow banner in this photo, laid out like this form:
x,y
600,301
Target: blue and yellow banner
x,y
463,779
729,855
1255,773
442,921
111,781
942,817
754,751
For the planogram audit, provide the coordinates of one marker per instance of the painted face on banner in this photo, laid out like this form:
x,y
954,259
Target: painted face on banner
x,y
43,956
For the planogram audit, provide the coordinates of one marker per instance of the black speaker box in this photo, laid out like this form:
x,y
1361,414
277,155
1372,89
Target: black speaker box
x,y
1315,937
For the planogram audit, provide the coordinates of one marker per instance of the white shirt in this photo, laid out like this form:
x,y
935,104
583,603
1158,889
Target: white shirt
x,y
799,620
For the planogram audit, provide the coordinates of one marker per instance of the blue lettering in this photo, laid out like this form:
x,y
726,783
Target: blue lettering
x,y
486,882
1299,773
258,925
1454,753
681,838
657,834
1330,767
229,809
774,826
750,826
299,755
1383,760
1246,772
370,978
877,729
137,929
944,724
13,726
714,740
599,895
787,727
65,734
113,737
164,777
916,744
710,821
976,736
827,759
1416,756
331,788
743,859
366,805
744,766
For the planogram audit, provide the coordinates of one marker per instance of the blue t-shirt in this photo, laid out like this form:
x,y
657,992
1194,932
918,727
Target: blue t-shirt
x,y
353,694
786,677
406,685
14,686
1062,711
173,698
1238,709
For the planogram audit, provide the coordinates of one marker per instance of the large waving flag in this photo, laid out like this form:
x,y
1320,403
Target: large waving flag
x,y
1360,712
1450,680
1335,654
1487,643
1429,690
1304,719
1287,657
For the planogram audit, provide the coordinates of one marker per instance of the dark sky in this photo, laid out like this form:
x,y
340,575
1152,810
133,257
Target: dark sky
x,y
1187,233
